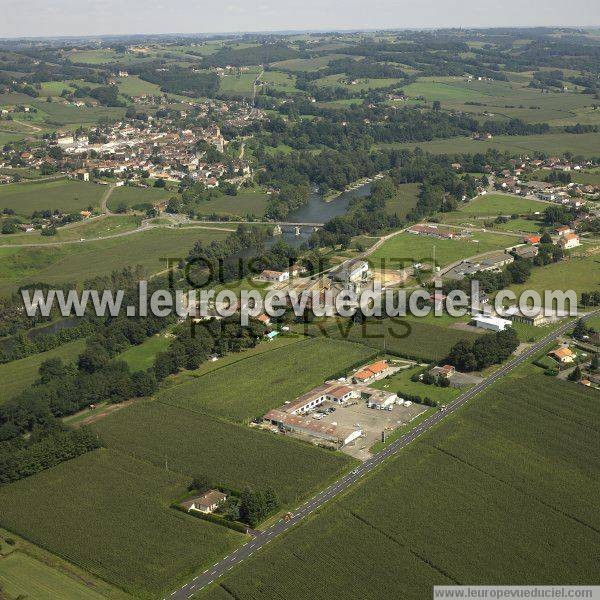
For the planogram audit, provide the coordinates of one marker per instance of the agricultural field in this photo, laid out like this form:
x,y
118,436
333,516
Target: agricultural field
x,y
225,453
580,273
134,86
585,144
404,249
408,337
362,84
135,197
246,202
18,375
61,194
239,85
276,80
97,227
24,576
492,205
504,100
306,64
78,262
125,537
401,527
57,114
251,387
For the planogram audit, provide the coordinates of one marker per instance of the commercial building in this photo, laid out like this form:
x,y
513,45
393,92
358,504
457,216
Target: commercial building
x,y
491,323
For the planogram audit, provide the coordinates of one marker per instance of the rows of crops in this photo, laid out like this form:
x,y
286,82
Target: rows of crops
x,y
234,455
504,491
110,514
251,387
410,337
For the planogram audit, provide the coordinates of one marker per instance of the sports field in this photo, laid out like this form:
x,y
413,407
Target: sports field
x,y
109,514
251,387
62,194
472,501
501,204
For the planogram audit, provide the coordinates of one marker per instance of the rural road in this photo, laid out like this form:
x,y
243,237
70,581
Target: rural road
x,y
104,200
341,485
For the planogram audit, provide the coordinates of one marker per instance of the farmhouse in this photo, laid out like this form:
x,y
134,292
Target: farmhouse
x,y
279,276
533,240
207,503
446,371
569,240
491,323
563,230
370,372
562,355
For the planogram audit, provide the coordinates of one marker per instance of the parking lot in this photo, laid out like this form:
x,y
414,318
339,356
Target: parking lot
x,y
371,421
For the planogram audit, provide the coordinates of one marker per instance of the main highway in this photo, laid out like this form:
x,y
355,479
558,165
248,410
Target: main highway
x,y
341,485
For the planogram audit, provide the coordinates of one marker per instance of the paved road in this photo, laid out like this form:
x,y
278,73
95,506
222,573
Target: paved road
x,y
342,484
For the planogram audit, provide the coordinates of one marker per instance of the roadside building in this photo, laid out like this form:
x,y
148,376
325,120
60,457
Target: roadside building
x,y
516,316
278,276
370,372
381,400
563,230
351,271
569,241
491,323
445,371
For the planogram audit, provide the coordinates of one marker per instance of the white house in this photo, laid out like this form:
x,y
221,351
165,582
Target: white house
x,y
279,276
570,240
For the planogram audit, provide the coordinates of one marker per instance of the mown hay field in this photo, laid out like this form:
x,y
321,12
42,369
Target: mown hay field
x,y
505,490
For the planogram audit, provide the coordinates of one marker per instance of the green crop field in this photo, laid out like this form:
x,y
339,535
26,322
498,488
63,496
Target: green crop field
x,y
225,453
406,248
306,64
133,197
18,375
555,144
280,81
58,114
362,85
134,86
250,388
62,194
110,514
403,336
246,202
25,577
79,262
472,501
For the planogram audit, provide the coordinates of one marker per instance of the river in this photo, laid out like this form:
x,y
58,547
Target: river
x,y
317,210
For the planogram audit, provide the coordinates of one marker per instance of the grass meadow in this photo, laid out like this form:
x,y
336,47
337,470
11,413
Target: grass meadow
x,y
405,249
78,262
473,501
62,194
18,375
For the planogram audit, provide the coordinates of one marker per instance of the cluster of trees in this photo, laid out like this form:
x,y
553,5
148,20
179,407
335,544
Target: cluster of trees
x,y
193,345
429,379
590,298
179,80
21,458
257,505
219,262
485,351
